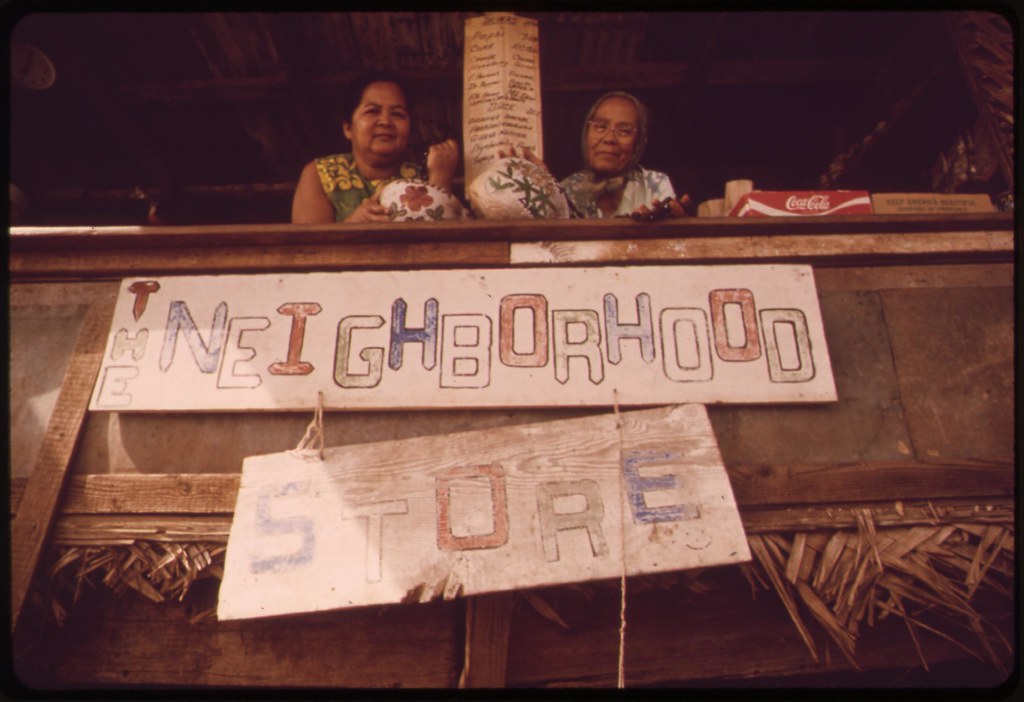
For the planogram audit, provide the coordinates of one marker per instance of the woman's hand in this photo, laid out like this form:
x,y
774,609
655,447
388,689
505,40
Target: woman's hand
x,y
369,210
670,207
442,159
527,154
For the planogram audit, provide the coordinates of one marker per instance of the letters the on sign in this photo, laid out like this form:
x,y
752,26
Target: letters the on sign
x,y
487,338
514,507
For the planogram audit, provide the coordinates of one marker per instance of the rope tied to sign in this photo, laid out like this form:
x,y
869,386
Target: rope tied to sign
x,y
311,446
622,543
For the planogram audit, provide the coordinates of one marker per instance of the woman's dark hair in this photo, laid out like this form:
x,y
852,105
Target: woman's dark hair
x,y
354,94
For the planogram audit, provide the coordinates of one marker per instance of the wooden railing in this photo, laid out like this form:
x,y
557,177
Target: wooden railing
x,y
81,253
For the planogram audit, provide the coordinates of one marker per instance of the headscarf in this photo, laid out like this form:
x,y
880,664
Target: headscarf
x,y
614,184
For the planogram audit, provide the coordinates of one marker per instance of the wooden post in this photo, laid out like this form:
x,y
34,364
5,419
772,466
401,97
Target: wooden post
x,y
35,514
488,619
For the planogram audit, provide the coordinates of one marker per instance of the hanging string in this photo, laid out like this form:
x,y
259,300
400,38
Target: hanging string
x,y
622,542
311,446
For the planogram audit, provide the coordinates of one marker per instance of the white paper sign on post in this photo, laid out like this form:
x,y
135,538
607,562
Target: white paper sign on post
x,y
467,338
501,89
482,511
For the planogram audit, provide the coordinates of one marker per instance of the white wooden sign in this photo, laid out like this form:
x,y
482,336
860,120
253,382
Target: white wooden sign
x,y
467,338
501,89
482,511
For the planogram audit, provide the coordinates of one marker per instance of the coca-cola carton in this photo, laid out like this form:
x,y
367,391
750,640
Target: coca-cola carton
x,y
793,203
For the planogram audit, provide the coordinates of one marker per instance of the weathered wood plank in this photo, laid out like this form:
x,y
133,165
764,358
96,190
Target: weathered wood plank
x,y
181,493
895,513
64,253
976,275
30,526
108,529
42,339
113,530
488,620
754,485
86,263
477,512
112,641
120,529
824,249
280,234
881,480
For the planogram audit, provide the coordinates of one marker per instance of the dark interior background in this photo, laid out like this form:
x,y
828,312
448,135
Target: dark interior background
x,y
212,115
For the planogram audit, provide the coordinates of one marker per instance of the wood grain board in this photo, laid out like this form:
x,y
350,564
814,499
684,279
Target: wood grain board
x,y
477,512
824,248
30,526
467,338
754,485
122,529
88,252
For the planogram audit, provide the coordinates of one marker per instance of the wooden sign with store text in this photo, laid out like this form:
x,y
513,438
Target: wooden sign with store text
x,y
482,511
467,338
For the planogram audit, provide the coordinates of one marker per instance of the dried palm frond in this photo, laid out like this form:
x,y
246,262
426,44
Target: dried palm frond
x,y
159,571
843,579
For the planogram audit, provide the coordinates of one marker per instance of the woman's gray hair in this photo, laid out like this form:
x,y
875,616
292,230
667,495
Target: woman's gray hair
x,y
641,135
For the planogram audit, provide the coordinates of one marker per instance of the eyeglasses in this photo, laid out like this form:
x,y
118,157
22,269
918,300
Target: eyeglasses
x,y
623,131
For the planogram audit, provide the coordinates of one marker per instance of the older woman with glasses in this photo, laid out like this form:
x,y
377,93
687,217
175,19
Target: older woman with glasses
x,y
612,182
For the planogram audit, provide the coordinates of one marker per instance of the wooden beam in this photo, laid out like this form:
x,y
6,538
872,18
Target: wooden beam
x,y
815,483
93,263
892,513
754,485
36,511
270,234
828,249
183,493
61,252
122,528
488,621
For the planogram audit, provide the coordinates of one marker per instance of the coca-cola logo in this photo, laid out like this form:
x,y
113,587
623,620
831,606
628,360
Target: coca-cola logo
x,y
817,203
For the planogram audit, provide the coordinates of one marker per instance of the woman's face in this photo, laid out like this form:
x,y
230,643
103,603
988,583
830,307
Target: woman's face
x,y
379,126
608,151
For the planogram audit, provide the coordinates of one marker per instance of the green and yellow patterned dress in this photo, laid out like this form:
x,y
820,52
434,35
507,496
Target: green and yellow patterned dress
x,y
346,187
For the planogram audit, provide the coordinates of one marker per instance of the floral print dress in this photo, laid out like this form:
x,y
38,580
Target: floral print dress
x,y
641,187
346,187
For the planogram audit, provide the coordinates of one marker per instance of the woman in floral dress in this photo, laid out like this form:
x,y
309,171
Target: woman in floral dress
x,y
346,187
